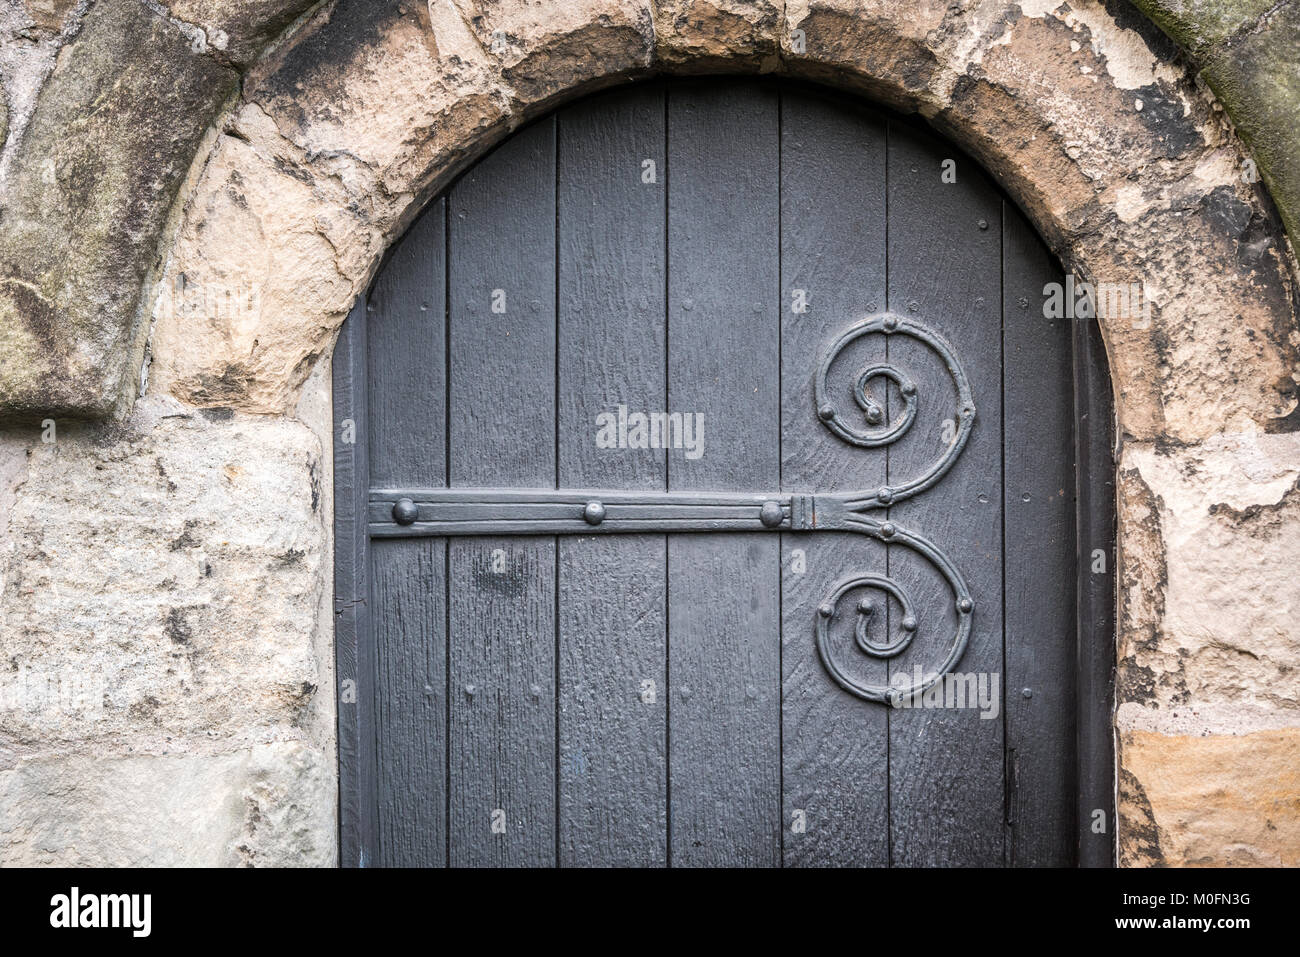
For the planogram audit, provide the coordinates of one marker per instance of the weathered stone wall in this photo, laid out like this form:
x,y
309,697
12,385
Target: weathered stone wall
x,y
194,193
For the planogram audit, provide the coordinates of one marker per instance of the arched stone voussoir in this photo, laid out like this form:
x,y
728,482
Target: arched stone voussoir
x,y
1121,161
339,138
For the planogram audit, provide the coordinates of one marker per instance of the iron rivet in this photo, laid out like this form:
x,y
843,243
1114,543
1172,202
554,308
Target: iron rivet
x,y
887,530
826,413
909,623
826,611
405,512
984,224
1028,693
594,513
890,323
885,496
909,388
874,415
865,606
770,514
469,690
965,605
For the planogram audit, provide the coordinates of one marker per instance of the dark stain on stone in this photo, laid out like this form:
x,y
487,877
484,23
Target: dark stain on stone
x,y
233,382
1162,115
218,413
1240,516
162,473
1135,683
145,707
178,629
1129,17
1140,838
322,54
293,556
314,474
1226,212
185,539
36,311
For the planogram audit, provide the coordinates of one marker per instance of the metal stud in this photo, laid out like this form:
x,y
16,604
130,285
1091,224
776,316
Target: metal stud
x,y
405,512
594,513
887,530
965,606
771,515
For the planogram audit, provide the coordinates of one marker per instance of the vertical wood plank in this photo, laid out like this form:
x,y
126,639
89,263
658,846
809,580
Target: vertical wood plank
x,y
501,421
724,589
1039,508
946,764
353,661
409,587
835,746
1095,657
407,385
612,628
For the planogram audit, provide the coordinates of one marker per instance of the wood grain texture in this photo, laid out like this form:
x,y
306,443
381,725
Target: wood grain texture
x,y
653,700
835,748
724,589
1095,653
613,761
946,764
501,417
406,372
406,379
408,584
1039,507
353,668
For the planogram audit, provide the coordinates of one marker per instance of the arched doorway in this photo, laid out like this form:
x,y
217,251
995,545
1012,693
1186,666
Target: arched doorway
x,y
719,505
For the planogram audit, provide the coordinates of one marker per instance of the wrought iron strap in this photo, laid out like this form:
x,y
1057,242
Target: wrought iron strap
x,y
493,511
482,511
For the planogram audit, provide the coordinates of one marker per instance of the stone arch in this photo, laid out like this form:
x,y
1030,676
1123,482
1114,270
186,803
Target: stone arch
x,y
1123,164
344,126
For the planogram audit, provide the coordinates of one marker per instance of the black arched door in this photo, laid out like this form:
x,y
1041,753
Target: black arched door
x,y
713,502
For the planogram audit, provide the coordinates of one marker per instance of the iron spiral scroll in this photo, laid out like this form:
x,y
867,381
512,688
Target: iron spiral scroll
x,y
402,512
871,427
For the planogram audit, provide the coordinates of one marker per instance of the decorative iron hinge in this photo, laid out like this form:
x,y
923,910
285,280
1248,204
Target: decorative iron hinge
x,y
395,513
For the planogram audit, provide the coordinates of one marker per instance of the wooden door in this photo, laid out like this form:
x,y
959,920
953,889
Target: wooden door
x,y
713,503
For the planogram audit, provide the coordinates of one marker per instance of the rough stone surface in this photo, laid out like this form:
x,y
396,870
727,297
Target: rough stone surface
x,y
1248,50
721,35
109,142
183,601
1209,596
165,675
250,168
269,805
1216,800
